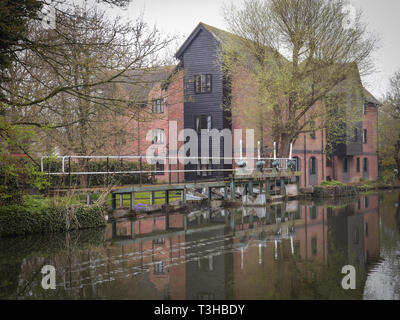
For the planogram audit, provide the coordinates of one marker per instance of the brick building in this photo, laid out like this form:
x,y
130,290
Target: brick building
x,y
194,95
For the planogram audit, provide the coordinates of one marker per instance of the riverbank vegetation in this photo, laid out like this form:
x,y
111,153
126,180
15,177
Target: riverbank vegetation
x,y
36,214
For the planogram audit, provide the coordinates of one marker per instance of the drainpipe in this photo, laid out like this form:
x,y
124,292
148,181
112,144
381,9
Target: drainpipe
x,y
305,157
322,157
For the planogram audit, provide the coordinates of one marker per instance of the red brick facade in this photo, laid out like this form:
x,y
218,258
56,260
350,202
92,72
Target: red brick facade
x,y
246,114
309,149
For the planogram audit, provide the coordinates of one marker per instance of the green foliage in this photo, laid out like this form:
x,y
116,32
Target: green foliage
x,y
367,187
389,130
335,191
17,175
331,183
40,216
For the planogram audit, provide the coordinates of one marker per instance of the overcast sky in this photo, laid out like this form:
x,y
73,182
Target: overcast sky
x,y
180,17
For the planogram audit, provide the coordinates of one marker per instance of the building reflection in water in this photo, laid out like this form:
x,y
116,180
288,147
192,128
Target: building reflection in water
x,y
286,251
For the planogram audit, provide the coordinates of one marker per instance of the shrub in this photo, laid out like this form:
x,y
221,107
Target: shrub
x,y
332,183
41,217
17,176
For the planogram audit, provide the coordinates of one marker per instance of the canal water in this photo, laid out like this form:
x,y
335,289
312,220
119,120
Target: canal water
x,y
293,250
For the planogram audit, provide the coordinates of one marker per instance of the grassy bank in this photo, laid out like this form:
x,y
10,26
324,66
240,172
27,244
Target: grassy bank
x,y
336,189
39,215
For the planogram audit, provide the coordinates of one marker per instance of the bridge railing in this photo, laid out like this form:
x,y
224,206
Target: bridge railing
x,y
171,168
282,163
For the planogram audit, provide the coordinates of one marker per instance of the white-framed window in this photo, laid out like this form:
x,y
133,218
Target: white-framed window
x,y
159,267
158,136
203,83
158,106
365,138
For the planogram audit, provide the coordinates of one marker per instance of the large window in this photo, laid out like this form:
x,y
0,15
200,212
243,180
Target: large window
x,y
345,165
298,164
365,136
159,169
365,165
314,246
159,267
203,83
158,106
366,202
313,165
158,136
358,165
203,122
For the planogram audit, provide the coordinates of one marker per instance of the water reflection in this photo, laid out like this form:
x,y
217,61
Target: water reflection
x,y
293,250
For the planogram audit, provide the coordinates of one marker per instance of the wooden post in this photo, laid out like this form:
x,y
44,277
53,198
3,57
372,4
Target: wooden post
x,y
267,187
268,213
250,184
108,169
132,200
114,229
152,197
140,174
166,197
283,211
169,172
184,195
261,187
69,172
132,228
114,201
283,186
121,200
209,194
185,222
88,200
233,222
232,189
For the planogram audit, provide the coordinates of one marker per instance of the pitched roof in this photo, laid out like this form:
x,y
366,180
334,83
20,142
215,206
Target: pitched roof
x,y
223,36
370,98
140,82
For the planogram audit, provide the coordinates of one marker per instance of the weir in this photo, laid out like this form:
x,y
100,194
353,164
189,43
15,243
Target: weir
x,y
268,184
270,178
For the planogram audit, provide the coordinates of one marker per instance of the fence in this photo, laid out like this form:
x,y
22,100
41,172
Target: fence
x,y
102,170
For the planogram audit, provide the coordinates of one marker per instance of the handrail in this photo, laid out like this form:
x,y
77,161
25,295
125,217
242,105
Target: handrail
x,y
282,164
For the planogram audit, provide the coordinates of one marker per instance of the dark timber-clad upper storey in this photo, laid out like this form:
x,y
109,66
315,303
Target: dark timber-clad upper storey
x,y
203,108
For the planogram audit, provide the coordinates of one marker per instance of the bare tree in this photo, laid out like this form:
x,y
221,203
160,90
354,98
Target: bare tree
x,y
389,126
71,81
297,52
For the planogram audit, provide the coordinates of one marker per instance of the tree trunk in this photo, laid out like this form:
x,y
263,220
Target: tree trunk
x,y
397,157
284,148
